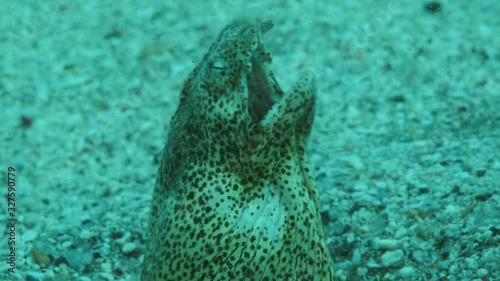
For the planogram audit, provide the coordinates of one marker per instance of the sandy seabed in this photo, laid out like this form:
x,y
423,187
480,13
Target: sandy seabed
x,y
404,150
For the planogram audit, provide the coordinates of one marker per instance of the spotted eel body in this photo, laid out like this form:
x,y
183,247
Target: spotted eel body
x,y
234,199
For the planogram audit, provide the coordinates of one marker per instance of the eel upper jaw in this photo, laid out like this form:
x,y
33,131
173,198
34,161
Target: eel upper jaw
x,y
263,89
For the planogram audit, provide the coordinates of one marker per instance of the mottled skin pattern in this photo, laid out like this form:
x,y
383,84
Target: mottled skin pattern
x,y
234,199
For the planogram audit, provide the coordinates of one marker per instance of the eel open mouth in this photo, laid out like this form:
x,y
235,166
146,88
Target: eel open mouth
x,y
263,89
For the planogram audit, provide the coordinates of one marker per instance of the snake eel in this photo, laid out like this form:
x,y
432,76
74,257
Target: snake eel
x,y
234,199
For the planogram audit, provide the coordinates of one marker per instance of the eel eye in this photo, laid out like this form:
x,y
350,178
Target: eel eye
x,y
219,65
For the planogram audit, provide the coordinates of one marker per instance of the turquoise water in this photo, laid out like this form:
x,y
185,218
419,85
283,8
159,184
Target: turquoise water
x,y
403,150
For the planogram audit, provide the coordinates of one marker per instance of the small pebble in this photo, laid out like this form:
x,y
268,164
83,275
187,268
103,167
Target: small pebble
x,y
128,248
106,276
86,234
418,256
386,244
350,237
355,162
343,265
482,272
392,257
400,233
471,263
39,257
356,257
106,267
361,271
49,274
29,235
63,269
453,269
30,220
124,238
34,276
406,271
78,258
444,264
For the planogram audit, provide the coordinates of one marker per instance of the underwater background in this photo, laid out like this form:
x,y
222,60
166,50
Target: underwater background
x,y
404,148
